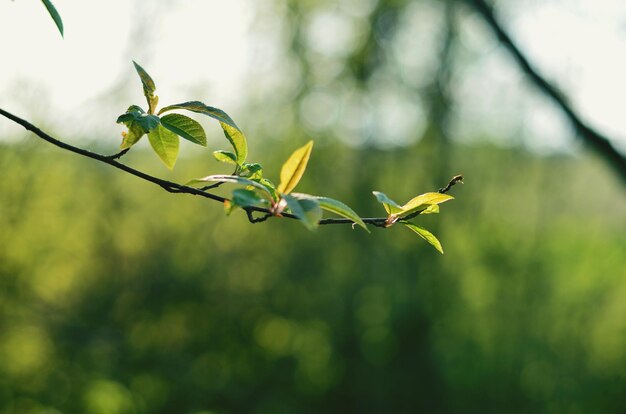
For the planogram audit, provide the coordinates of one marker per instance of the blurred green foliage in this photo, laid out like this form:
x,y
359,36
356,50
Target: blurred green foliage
x,y
118,297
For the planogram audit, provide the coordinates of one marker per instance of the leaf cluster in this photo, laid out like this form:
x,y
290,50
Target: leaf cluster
x,y
256,192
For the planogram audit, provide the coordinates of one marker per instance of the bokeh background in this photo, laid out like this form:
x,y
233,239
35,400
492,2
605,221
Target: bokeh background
x,y
118,297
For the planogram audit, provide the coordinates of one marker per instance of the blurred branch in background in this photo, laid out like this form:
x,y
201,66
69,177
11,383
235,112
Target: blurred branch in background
x,y
595,139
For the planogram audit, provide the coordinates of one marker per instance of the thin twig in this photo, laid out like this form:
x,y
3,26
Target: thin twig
x,y
253,219
209,187
453,181
169,186
596,140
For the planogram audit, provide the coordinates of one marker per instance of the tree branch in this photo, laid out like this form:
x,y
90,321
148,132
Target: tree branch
x,y
596,140
169,186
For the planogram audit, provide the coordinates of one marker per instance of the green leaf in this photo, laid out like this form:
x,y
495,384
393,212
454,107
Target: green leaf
x,y
426,235
254,171
247,198
148,122
186,127
231,130
431,209
134,134
243,198
133,112
136,108
148,88
237,140
199,107
307,210
138,123
271,188
225,156
54,14
293,168
390,206
424,200
230,179
334,206
165,144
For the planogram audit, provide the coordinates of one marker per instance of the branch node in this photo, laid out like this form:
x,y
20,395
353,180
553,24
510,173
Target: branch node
x,y
118,155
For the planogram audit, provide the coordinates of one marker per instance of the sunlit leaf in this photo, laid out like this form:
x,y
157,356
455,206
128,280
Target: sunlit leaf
x,y
334,206
54,14
431,209
148,88
199,107
138,123
225,156
422,201
232,132
293,169
426,235
185,127
165,144
270,186
237,140
307,210
134,134
390,206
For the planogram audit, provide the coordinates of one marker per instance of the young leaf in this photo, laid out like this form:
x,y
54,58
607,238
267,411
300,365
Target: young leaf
x,y
293,168
425,234
54,14
253,171
334,206
133,112
237,140
271,188
422,201
230,179
225,156
138,123
229,207
307,210
186,127
165,144
148,88
390,206
134,134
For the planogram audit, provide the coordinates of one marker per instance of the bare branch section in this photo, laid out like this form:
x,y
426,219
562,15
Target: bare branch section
x,y
168,185
596,140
